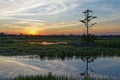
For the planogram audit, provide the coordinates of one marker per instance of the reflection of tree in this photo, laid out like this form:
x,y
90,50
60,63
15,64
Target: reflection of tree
x,y
87,60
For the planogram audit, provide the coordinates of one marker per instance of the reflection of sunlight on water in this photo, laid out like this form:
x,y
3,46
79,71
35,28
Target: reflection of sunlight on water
x,y
46,43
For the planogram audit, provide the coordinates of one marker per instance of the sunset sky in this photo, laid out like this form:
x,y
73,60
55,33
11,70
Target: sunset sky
x,y
47,17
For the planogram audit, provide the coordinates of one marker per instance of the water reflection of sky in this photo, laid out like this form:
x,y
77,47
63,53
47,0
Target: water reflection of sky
x,y
107,66
46,43
14,66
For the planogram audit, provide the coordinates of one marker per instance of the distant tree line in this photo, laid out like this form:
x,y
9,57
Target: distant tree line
x,y
2,34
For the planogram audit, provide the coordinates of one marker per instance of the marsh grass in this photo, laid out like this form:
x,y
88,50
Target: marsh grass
x,y
41,77
51,77
20,46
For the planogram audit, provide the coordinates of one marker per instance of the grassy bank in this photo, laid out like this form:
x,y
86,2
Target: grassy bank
x,y
40,77
21,46
51,77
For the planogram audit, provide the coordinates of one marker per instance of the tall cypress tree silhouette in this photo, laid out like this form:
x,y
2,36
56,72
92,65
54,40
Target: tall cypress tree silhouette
x,y
87,21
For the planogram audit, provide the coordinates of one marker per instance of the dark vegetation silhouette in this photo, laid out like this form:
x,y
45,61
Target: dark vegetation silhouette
x,y
88,38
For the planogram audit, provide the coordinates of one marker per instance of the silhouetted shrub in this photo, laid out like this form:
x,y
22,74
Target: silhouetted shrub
x,y
88,38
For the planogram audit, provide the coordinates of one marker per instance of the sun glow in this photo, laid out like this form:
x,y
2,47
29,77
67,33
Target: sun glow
x,y
32,32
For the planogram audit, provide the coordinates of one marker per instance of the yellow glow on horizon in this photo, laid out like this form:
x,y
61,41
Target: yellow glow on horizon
x,y
60,28
32,31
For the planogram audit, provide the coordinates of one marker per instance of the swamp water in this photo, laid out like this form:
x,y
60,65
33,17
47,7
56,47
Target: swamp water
x,y
47,43
71,67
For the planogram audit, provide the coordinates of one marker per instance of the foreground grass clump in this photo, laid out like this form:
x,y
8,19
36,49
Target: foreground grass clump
x,y
41,77
51,77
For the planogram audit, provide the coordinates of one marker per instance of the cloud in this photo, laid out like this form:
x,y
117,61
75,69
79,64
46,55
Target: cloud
x,y
21,19
32,7
37,10
30,10
41,7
